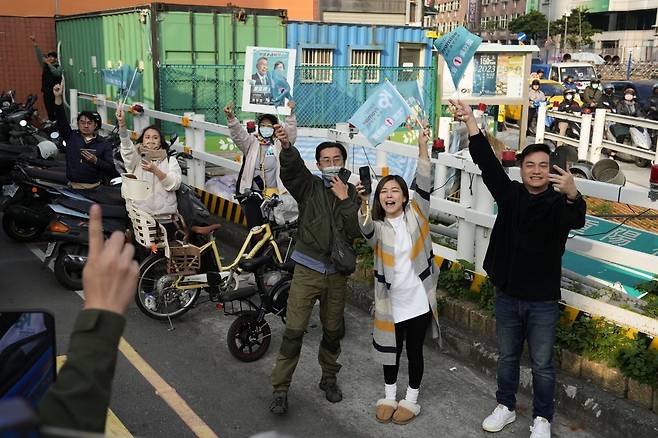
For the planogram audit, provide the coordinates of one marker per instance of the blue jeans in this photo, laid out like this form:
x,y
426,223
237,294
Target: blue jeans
x,y
516,321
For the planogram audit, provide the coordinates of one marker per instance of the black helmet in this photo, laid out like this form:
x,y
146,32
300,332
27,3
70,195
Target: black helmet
x,y
536,82
92,115
610,87
655,87
596,81
568,91
269,117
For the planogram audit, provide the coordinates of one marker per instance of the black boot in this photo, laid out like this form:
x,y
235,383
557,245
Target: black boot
x,y
330,387
279,404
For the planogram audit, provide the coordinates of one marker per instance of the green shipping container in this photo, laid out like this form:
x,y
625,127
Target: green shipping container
x,y
161,34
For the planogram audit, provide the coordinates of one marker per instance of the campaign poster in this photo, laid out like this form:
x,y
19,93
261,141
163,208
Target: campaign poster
x,y
484,78
269,75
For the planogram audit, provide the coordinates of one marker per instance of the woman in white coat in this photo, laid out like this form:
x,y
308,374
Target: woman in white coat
x,y
260,163
148,161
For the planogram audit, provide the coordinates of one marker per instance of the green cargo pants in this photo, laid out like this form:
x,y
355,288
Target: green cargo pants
x,y
307,287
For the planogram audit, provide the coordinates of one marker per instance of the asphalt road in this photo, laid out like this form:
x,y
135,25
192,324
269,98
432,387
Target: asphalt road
x,y
232,397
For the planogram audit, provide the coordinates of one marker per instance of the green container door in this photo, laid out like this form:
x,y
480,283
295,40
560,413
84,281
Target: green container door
x,y
93,43
214,38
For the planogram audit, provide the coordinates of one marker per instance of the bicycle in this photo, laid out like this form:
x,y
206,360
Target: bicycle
x,y
177,271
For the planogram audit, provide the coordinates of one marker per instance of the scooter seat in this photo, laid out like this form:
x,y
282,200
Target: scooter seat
x,y
103,195
109,211
54,176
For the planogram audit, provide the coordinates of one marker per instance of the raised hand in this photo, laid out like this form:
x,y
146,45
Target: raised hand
x,y
564,182
282,136
121,116
110,275
228,110
339,188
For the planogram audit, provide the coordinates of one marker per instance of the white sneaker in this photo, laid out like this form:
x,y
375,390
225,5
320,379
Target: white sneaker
x,y
499,418
541,428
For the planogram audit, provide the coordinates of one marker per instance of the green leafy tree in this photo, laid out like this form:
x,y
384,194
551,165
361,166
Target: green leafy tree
x,y
534,24
579,29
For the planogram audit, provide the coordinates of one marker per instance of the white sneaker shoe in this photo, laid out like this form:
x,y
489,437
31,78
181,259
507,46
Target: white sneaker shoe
x,y
541,428
499,418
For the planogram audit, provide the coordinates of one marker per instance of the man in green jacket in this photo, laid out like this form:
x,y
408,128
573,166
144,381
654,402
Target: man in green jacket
x,y
592,95
81,395
315,277
51,75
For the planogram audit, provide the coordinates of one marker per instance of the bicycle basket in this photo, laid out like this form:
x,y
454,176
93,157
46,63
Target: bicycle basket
x,y
184,259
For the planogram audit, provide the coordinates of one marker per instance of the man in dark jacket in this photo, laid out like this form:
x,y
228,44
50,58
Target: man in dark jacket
x,y
50,76
315,277
88,156
524,262
592,95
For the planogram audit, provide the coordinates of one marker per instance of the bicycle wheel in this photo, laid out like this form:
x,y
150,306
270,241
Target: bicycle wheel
x,y
248,340
155,296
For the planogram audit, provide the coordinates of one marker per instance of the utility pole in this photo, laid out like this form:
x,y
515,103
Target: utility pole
x,y
566,24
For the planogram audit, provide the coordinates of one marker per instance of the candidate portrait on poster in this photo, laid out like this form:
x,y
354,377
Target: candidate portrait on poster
x,y
269,74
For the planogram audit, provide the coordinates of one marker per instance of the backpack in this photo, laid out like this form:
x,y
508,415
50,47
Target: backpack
x,y
190,207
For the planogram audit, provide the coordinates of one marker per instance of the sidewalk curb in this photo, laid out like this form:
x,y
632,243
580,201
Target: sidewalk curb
x,y
598,410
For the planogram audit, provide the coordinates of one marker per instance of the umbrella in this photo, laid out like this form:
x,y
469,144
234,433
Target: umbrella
x,y
587,57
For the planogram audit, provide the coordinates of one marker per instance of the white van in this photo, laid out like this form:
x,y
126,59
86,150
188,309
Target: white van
x,y
582,72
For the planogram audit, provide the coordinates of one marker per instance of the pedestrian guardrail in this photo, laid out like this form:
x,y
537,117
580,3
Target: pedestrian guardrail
x,y
474,211
594,133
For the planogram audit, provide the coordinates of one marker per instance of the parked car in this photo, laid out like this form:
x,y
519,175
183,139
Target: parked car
x,y
582,72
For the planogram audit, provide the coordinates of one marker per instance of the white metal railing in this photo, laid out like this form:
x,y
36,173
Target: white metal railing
x,y
474,212
593,133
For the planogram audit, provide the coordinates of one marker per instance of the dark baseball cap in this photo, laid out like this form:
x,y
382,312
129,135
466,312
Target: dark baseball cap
x,y
535,147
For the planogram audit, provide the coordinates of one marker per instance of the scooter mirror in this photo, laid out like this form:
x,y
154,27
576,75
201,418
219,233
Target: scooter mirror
x,y
54,135
23,123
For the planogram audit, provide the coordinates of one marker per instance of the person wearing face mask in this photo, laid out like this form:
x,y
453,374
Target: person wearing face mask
x,y
88,156
405,289
651,109
260,164
608,100
627,107
569,83
535,96
592,95
148,160
568,105
327,220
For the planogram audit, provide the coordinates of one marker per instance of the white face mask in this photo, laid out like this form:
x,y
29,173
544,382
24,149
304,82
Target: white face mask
x,y
595,86
628,97
266,131
569,96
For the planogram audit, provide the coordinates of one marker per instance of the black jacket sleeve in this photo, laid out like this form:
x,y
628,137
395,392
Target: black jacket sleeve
x,y
81,395
573,214
347,209
105,161
294,174
493,174
63,124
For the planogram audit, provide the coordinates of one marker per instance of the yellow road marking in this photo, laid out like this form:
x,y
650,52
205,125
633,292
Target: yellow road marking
x,y
114,428
168,394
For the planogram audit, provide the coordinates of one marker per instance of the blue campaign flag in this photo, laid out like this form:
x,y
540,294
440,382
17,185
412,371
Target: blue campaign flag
x,y
127,79
384,111
412,94
280,88
458,48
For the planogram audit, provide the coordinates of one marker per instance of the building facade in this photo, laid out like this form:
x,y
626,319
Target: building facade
x,y
375,12
628,26
495,16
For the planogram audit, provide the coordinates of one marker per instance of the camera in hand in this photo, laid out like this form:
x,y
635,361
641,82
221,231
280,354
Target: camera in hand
x,y
366,181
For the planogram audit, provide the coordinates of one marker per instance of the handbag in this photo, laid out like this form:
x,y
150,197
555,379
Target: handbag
x,y
343,257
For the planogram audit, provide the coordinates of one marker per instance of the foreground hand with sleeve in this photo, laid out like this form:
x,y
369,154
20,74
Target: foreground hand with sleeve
x,y
80,397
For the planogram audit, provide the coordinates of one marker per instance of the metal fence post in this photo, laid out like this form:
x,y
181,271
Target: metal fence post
x,y
466,233
101,108
73,104
585,135
484,203
541,123
199,144
597,135
189,143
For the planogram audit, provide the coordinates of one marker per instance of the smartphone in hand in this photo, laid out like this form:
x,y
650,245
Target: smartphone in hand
x,y
366,180
344,175
557,159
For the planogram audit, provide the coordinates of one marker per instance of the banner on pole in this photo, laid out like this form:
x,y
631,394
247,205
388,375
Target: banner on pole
x,y
458,48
